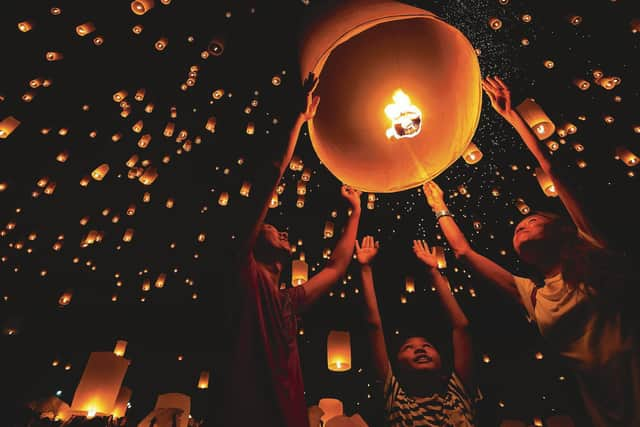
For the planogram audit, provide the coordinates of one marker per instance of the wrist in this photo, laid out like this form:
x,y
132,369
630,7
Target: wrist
x,y
442,213
439,207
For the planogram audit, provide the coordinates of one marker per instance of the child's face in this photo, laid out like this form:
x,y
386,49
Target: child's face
x,y
418,354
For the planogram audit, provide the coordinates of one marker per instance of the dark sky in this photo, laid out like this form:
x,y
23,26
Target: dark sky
x,y
260,41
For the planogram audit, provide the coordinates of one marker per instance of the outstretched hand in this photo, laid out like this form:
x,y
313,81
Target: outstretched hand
x,y
434,195
311,105
352,195
499,95
366,251
424,254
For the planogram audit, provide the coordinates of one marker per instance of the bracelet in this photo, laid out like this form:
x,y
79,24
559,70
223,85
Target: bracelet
x,y
444,212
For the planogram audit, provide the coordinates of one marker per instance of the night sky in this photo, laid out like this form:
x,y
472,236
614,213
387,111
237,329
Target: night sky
x,y
181,230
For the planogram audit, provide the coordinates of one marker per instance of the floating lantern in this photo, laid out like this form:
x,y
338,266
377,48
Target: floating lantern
x,y
536,118
211,124
296,164
328,230
223,199
440,257
99,385
251,128
552,145
635,25
149,176
306,175
626,156
522,206
300,202
50,188
120,348
53,56
100,172
216,46
160,280
140,7
495,23
339,351
161,44
409,284
203,380
65,298
273,203
86,28
299,272
128,235
25,26
582,84
7,126
472,154
404,48
121,405
144,141
331,408
547,185
301,188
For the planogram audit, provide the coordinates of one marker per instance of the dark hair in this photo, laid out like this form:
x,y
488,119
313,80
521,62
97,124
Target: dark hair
x,y
604,275
438,341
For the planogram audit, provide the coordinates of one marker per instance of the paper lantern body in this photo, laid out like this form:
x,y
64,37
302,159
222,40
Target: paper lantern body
x,y
339,351
363,52
536,118
331,408
120,408
100,384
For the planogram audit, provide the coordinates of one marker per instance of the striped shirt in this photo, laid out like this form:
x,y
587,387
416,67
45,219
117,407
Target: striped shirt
x,y
455,408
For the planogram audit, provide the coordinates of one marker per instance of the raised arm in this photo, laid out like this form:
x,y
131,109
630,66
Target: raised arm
x,y
500,97
319,284
461,337
488,269
365,254
271,172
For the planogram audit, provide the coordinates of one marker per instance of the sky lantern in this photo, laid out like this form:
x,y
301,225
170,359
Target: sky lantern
x,y
400,90
203,380
536,118
120,348
546,183
299,272
339,351
472,154
7,126
120,408
99,385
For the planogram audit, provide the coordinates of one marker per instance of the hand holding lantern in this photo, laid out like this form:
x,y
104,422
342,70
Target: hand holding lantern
x,y
499,95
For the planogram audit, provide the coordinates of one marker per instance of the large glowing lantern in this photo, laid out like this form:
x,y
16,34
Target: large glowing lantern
x,y
99,385
339,351
400,92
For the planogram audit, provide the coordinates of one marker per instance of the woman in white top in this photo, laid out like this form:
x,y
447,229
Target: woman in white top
x,y
581,306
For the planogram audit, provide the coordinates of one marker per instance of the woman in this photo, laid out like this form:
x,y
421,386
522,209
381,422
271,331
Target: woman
x,y
419,391
580,307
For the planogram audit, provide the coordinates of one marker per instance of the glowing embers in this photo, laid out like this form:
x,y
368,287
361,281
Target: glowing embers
x,y
406,118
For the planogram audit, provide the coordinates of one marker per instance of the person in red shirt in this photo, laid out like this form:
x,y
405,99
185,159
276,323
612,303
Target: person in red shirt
x,y
264,384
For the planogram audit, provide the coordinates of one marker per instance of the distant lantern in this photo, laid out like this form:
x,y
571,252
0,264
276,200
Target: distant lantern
x,y
65,298
549,64
440,257
211,124
306,175
99,384
53,56
161,44
216,46
63,156
7,126
536,118
339,351
144,140
120,348
296,164
140,7
582,84
169,129
276,80
160,280
251,128
203,380
223,199
84,181
273,203
495,23
522,206
575,20
626,156
50,188
547,185
635,25
138,126
409,284
100,172
552,145
139,96
169,203
86,28
328,230
217,94
120,95
299,272
25,26
300,202
301,188
331,408
149,176
581,163
354,96
132,161
128,235
472,154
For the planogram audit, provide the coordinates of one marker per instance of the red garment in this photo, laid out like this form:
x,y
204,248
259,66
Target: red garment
x,y
265,386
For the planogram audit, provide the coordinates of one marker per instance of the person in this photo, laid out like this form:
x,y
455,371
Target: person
x,y
419,391
264,384
582,302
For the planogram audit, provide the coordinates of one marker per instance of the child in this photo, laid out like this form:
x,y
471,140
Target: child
x,y
420,392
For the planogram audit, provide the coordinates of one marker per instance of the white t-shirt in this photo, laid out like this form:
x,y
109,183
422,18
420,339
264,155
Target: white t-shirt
x,y
606,363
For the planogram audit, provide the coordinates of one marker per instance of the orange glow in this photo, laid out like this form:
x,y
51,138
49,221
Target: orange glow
x,y
339,351
434,64
406,118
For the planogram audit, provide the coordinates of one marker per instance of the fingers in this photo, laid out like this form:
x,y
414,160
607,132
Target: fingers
x,y
358,248
424,245
501,83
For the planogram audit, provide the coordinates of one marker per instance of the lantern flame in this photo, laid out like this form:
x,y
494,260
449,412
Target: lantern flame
x,y
406,118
